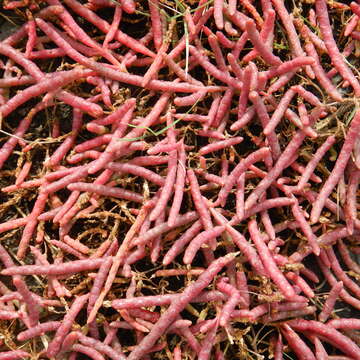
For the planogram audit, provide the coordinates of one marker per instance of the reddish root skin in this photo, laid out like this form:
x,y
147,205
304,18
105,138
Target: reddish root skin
x,y
263,50
340,165
179,186
175,308
199,203
199,240
328,307
54,269
296,343
334,53
14,355
269,263
37,330
339,340
61,332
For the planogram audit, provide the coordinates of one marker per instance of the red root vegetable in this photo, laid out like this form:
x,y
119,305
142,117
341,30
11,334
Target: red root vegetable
x,y
92,353
350,203
198,241
340,273
95,345
138,302
347,323
199,203
279,348
8,315
97,286
301,283
243,99
309,310
39,329
305,227
59,289
310,167
106,190
334,53
320,73
265,120
330,301
66,324
328,334
259,45
345,255
54,269
320,351
208,341
31,224
137,170
282,163
268,262
166,191
238,170
234,299
176,307
14,355
296,343
291,32
179,186
180,243
209,67
279,112
241,243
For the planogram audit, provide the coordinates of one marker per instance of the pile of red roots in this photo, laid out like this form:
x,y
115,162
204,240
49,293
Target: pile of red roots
x,y
179,180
